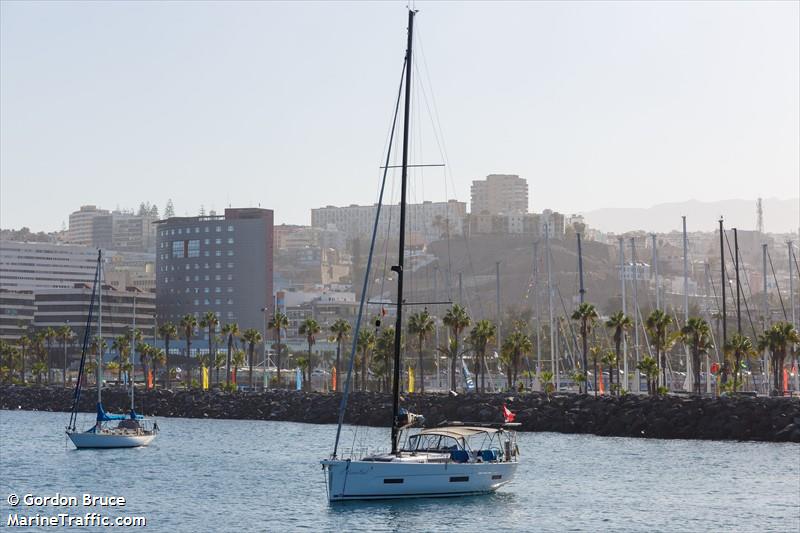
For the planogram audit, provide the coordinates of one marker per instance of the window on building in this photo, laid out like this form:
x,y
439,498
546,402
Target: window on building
x,y
230,228
217,241
206,290
219,228
187,278
177,248
206,277
206,229
217,289
207,241
230,240
218,253
218,265
206,301
218,277
217,301
188,266
230,277
206,253
230,289
230,265
230,301
230,253
193,248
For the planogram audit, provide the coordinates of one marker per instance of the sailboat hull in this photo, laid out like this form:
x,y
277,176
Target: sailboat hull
x,y
109,440
374,480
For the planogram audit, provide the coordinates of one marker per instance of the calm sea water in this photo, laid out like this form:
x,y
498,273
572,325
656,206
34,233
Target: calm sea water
x,y
229,475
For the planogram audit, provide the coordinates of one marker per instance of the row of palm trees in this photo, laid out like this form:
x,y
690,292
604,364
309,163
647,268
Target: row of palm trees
x,y
374,349
664,333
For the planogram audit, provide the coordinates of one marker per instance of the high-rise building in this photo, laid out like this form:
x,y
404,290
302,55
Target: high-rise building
x,y
16,313
30,266
117,230
222,264
499,194
431,221
135,233
59,307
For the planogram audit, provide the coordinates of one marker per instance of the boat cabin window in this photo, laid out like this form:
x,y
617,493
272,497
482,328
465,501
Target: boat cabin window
x,y
432,443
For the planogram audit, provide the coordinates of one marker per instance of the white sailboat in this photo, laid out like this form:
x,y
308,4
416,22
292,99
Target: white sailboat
x,y
453,459
110,430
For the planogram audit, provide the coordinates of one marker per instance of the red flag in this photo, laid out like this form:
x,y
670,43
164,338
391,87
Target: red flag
x,y
508,415
383,311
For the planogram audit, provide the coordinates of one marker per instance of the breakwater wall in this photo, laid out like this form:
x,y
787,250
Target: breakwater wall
x,y
668,417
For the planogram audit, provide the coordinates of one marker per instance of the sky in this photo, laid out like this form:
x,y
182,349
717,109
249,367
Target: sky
x,y
288,105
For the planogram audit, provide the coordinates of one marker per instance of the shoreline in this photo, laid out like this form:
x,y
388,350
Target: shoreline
x,y
670,417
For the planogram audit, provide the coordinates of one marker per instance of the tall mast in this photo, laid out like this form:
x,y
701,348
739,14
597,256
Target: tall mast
x,y
635,271
738,285
536,303
690,384
99,370
655,269
402,241
723,284
765,320
582,292
553,345
133,349
624,312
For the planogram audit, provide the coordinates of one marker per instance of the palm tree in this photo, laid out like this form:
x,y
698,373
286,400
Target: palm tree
x,y
168,331
252,337
237,361
210,322
65,334
24,343
230,330
649,367
159,357
481,334
50,336
121,345
382,362
457,320
145,352
596,353
620,323
586,314
188,323
365,344
219,362
696,335
657,324
341,330
309,327
609,359
422,325
740,347
778,339
98,348
278,322
516,345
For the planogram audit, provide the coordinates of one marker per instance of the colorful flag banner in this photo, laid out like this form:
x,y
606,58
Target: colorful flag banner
x,y
785,380
333,379
149,379
205,378
411,382
298,379
601,387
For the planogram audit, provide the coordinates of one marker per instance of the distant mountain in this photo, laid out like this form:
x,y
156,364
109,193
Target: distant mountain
x,y
780,216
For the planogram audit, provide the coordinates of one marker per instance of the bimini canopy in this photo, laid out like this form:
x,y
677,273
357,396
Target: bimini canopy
x,y
459,432
102,416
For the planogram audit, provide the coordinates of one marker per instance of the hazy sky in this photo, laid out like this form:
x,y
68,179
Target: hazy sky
x,y
288,105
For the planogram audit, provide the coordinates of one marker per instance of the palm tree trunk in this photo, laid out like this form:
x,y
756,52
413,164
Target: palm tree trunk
x,y
338,351
228,362
250,364
278,357
421,368
586,362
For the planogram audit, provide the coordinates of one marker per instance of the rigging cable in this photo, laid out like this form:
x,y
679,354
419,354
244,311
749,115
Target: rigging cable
x,y
356,331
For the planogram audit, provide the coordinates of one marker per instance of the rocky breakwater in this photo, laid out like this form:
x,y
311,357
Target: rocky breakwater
x,y
668,417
